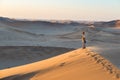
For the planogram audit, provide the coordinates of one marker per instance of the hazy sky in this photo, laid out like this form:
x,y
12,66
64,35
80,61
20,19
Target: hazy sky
x,y
61,9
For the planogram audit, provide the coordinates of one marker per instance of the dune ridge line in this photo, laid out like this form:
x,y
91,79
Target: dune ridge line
x,y
72,58
108,66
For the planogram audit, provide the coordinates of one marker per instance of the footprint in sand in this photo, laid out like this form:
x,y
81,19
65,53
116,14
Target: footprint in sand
x,y
109,68
62,64
117,75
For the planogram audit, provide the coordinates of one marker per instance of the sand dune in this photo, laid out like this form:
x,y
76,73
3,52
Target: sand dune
x,y
11,56
75,65
28,33
103,38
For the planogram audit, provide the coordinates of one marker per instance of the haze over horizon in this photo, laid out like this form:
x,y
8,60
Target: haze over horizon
x,y
61,10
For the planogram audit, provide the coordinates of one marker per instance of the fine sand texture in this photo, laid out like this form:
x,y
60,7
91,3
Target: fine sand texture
x,y
80,64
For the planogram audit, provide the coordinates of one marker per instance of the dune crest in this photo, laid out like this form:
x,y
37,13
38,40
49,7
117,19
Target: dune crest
x,y
80,64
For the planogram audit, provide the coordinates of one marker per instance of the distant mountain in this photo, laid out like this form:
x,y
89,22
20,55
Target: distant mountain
x,y
118,23
17,22
13,22
114,23
5,19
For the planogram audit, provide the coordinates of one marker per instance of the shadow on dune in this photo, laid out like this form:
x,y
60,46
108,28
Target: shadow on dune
x,y
20,77
12,56
28,76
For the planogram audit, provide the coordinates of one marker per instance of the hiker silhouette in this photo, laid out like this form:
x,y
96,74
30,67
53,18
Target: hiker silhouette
x,y
83,40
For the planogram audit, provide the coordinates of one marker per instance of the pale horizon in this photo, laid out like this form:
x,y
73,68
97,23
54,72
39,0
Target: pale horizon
x,y
92,10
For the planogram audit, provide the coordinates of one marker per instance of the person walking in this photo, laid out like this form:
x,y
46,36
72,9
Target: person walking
x,y
83,40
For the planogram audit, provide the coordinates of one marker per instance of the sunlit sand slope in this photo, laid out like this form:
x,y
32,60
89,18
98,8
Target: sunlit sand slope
x,y
75,65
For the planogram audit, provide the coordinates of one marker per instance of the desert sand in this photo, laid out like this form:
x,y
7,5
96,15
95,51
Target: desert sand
x,y
11,56
103,40
54,59
80,64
